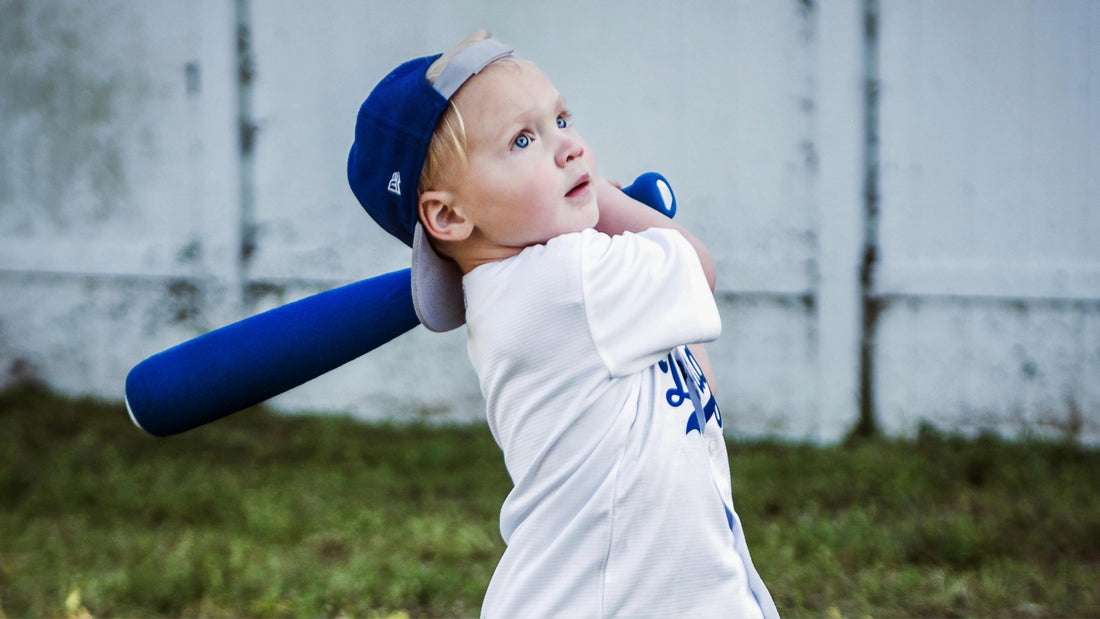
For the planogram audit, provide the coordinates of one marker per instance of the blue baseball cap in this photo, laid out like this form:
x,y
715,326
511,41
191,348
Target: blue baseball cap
x,y
392,133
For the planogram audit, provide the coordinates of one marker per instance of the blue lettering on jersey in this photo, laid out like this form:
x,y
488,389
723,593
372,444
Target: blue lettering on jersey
x,y
675,396
684,368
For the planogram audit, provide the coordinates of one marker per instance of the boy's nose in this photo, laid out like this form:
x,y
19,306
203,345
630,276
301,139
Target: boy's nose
x,y
569,149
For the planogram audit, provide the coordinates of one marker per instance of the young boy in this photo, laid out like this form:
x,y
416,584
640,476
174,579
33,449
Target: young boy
x,y
580,304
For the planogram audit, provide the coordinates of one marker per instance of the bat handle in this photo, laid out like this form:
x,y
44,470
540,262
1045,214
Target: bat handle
x,y
653,190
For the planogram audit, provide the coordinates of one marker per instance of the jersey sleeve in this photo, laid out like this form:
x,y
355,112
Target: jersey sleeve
x,y
644,295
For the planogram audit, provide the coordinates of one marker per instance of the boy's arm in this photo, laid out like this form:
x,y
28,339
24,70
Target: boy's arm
x,y
699,351
620,213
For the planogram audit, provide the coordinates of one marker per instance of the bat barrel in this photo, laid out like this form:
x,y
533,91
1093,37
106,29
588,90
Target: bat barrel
x,y
247,362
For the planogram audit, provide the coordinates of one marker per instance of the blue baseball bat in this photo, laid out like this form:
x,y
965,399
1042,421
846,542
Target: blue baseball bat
x,y
257,358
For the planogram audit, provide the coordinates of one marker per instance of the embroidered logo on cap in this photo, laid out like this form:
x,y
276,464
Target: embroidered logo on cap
x,y
395,183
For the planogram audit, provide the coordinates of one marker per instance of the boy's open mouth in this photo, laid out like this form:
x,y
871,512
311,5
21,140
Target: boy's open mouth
x,y
579,187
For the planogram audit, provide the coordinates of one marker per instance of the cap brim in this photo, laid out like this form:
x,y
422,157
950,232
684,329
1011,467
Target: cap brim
x,y
436,286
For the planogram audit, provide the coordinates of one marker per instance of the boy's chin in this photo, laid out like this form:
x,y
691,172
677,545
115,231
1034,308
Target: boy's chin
x,y
591,215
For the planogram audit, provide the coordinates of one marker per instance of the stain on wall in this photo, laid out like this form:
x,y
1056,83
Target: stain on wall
x,y
68,94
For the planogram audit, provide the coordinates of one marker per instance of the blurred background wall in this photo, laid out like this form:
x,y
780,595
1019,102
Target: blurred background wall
x,y
903,197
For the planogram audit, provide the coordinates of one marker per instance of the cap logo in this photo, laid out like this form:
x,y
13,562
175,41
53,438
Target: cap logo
x,y
395,183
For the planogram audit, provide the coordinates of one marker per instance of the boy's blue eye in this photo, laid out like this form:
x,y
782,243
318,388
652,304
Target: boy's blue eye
x,y
563,122
522,141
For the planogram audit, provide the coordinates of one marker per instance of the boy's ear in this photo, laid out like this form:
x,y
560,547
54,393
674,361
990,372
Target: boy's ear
x,y
441,219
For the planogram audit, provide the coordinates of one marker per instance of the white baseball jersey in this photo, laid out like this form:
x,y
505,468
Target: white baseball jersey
x,y
621,503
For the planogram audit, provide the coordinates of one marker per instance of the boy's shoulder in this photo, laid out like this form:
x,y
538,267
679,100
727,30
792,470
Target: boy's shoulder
x,y
563,248
572,253
579,266
588,242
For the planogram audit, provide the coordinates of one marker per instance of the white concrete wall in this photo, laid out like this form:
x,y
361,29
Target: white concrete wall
x,y
124,194
117,184
990,215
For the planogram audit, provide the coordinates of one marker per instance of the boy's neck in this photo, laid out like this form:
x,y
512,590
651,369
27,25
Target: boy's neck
x,y
470,254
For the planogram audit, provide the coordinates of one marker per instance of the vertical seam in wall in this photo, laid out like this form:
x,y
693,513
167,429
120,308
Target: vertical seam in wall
x,y
810,159
246,71
870,306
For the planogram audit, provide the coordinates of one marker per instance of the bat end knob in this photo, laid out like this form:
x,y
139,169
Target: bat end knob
x,y
654,191
133,418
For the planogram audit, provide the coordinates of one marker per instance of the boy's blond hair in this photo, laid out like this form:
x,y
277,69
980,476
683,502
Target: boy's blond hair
x,y
447,149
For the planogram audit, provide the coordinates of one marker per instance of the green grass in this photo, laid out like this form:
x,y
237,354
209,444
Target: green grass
x,y
265,515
